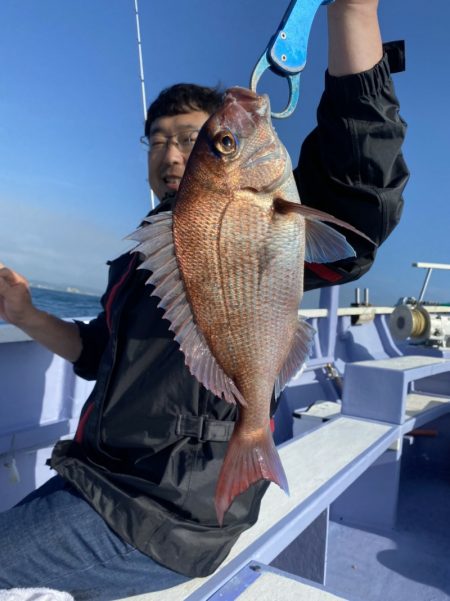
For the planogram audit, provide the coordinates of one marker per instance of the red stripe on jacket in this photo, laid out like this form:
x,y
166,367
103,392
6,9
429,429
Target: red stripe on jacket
x,y
112,295
324,272
82,423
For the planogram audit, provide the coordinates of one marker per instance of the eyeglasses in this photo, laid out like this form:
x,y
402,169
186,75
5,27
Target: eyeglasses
x,y
183,140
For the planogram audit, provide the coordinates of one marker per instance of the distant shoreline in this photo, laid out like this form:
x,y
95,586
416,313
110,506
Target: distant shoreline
x,y
67,289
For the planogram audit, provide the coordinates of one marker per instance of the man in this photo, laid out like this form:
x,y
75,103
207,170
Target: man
x,y
132,507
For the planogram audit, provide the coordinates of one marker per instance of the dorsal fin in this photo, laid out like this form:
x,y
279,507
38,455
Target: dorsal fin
x,y
157,246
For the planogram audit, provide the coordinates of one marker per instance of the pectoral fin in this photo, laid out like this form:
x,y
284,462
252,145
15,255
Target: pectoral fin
x,y
323,243
298,354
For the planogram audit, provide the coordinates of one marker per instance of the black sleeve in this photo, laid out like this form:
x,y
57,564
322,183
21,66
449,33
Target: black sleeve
x,y
351,165
94,337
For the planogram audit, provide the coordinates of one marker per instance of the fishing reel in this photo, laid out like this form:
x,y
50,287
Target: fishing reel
x,y
412,321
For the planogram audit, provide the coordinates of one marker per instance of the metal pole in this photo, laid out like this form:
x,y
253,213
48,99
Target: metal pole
x,y
425,284
141,73
366,297
141,62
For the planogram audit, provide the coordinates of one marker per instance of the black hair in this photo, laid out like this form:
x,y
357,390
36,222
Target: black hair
x,y
183,98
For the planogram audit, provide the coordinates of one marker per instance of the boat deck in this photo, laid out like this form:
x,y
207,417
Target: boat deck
x,y
411,561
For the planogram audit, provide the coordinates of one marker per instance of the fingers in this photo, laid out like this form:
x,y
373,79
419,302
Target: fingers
x,y
10,277
15,297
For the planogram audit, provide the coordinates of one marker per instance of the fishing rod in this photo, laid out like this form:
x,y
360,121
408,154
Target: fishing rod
x,y
141,75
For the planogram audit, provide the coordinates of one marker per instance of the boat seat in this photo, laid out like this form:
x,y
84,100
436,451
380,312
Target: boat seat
x,y
319,466
388,389
406,391
308,419
419,408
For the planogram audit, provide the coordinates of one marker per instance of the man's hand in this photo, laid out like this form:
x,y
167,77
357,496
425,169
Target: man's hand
x,y
16,306
354,39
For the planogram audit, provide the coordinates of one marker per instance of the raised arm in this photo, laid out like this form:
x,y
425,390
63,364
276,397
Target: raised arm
x,y
16,307
354,39
352,165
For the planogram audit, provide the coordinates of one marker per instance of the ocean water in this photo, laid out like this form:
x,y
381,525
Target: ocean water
x,y
66,304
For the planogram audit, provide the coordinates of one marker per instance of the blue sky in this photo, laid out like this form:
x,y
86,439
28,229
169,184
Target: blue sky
x,y
72,170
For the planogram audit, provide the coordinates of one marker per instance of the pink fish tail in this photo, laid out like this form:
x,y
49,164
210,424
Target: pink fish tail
x,y
246,462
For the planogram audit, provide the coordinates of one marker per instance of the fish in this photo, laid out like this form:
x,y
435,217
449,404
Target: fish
x,y
228,265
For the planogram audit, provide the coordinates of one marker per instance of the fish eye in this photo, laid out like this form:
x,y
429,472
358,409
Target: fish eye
x,y
225,143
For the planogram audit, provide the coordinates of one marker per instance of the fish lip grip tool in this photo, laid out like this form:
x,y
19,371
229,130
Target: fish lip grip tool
x,y
285,54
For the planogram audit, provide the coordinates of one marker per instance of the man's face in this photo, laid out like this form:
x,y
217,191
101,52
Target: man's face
x,y
168,151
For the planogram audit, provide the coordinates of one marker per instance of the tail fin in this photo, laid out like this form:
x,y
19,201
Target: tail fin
x,y
247,461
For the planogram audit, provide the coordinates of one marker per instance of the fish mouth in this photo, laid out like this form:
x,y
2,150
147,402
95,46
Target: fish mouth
x,y
251,102
242,111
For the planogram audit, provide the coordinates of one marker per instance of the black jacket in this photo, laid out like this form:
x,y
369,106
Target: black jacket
x,y
151,439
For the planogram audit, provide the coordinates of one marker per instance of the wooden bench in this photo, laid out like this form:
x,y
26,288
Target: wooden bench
x,y
319,466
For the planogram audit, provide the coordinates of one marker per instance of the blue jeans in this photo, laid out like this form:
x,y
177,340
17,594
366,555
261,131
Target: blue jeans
x,y
53,538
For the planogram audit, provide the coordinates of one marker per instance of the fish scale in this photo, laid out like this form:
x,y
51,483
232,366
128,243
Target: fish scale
x,y
261,305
